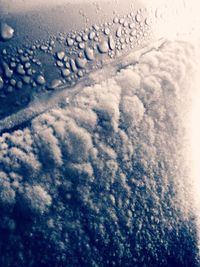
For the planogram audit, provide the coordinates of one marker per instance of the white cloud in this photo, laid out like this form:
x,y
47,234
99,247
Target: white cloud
x,y
132,111
36,199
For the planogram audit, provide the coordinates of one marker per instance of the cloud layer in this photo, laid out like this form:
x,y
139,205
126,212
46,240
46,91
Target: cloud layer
x,y
102,181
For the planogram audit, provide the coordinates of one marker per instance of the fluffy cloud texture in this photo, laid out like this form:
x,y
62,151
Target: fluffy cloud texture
x,y
102,180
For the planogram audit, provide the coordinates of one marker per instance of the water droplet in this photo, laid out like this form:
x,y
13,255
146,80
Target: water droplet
x,y
73,36
81,63
123,46
20,69
27,65
111,43
106,31
103,47
96,27
85,37
6,32
24,59
13,82
65,58
67,65
127,40
133,33
43,48
122,40
65,72
52,42
80,73
7,71
119,32
29,72
40,80
34,84
70,41
13,65
89,53
125,24
148,21
4,52
92,35
59,63
131,39
131,25
1,82
78,39
60,55
121,21
81,45
39,63
19,85
116,20
138,18
55,84
157,13
20,51
30,52
26,79
73,65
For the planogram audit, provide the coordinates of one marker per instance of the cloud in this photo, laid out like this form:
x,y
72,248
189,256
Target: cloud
x,y
132,111
36,199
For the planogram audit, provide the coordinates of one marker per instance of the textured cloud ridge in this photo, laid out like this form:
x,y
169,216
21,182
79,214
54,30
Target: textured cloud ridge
x,y
102,180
